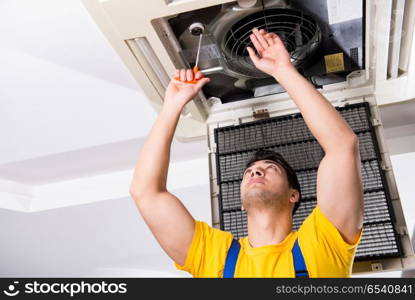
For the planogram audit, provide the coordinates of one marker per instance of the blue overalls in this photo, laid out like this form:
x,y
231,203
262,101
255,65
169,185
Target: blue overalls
x,y
233,253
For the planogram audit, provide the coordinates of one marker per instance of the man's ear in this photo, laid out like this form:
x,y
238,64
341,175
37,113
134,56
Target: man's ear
x,y
295,196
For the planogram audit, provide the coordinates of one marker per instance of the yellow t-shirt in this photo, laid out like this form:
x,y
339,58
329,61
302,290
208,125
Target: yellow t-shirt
x,y
325,252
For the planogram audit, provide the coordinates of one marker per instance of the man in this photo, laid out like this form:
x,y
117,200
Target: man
x,y
328,237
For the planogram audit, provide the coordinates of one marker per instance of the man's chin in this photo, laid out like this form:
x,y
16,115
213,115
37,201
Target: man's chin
x,y
255,191
256,186
258,195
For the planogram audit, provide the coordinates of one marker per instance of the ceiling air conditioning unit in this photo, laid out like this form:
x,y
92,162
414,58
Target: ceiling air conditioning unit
x,y
346,48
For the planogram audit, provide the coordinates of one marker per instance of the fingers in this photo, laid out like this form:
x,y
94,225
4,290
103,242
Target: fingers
x,y
182,75
188,76
200,83
262,39
259,34
269,37
198,75
252,55
274,36
275,39
256,43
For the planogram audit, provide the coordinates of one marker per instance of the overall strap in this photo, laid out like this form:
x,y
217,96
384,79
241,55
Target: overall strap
x,y
299,263
231,259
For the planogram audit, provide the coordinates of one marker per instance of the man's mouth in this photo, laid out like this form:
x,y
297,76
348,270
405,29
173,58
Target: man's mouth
x,y
256,180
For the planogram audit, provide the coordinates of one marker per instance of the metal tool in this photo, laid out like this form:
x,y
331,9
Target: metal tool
x,y
198,54
196,29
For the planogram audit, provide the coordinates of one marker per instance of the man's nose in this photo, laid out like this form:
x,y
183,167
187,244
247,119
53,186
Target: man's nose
x,y
257,172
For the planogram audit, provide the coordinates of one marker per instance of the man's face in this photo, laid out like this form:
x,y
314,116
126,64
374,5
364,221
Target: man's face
x,y
265,184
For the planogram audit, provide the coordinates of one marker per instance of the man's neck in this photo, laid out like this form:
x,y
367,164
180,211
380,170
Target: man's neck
x,y
267,227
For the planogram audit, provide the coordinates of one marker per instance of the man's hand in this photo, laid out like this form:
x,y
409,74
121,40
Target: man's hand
x,y
180,91
273,56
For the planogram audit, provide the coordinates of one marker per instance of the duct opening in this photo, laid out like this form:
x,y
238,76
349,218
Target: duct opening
x,y
299,32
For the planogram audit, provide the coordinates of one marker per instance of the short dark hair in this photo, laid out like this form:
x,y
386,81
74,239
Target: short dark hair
x,y
266,154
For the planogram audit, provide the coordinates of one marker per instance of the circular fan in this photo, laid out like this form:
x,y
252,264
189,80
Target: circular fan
x,y
299,32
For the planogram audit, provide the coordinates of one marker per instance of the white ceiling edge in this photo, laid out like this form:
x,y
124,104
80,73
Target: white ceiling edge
x,y
91,161
97,188
15,195
63,110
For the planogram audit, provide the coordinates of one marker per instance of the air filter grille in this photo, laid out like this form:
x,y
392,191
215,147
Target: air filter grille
x,y
289,136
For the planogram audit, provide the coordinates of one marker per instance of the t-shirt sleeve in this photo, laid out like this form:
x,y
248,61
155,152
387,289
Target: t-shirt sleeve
x,y
325,251
207,252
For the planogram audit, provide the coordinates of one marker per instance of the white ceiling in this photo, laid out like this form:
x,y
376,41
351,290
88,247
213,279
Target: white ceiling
x,y
62,33
63,87
68,107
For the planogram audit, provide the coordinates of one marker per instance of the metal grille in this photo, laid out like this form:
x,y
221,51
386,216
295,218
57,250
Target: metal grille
x,y
289,136
299,32
354,55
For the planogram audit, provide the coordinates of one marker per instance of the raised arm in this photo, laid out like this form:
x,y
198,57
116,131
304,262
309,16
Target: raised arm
x,y
339,187
167,218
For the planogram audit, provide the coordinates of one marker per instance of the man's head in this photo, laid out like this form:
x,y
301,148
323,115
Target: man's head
x,y
269,182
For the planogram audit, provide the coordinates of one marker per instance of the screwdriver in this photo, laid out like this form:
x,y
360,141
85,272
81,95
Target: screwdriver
x,y
196,29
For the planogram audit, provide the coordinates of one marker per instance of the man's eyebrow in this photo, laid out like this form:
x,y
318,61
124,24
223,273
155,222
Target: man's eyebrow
x,y
265,161
271,162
